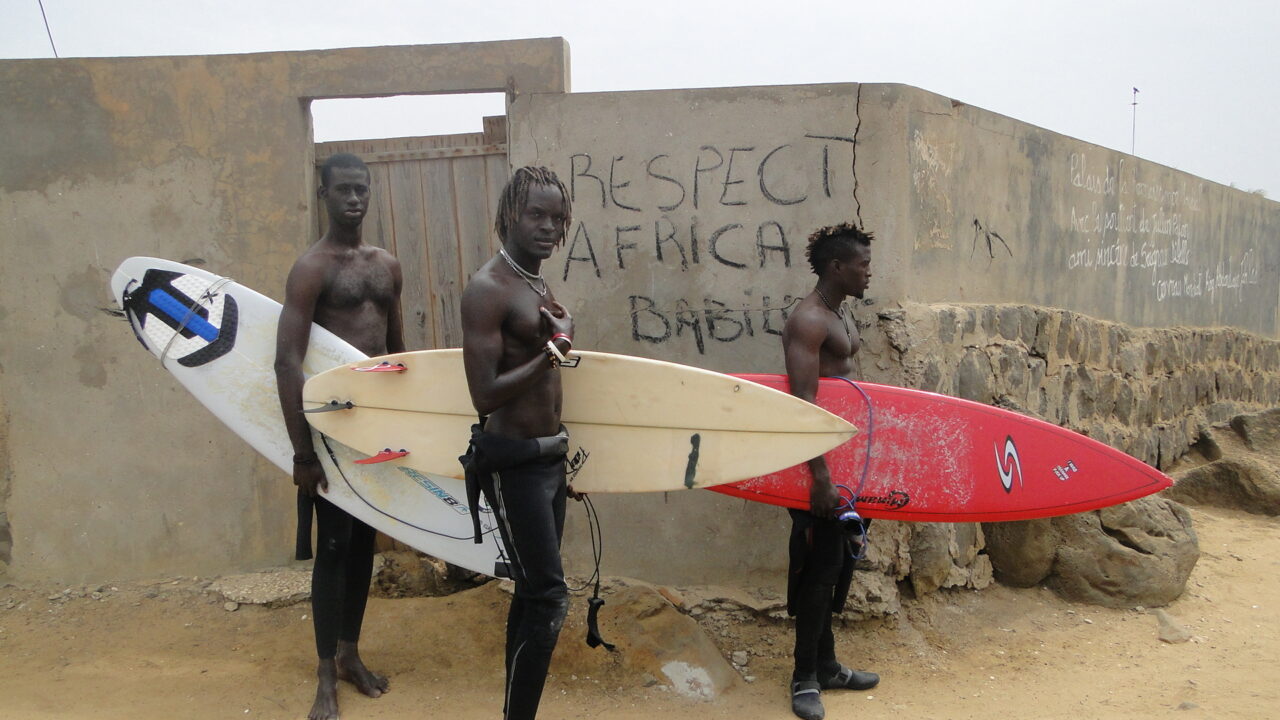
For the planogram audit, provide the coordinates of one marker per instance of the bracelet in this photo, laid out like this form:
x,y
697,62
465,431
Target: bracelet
x,y
306,459
563,336
547,350
557,357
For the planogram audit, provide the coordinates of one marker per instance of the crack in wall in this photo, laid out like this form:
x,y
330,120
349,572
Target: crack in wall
x,y
857,111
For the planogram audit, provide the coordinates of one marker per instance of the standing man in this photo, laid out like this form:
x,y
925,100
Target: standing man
x,y
514,335
819,341
353,290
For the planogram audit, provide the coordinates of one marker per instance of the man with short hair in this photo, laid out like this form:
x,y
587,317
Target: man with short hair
x,y
514,336
353,290
819,340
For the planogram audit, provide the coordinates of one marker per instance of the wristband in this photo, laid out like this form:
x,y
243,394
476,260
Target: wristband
x,y
557,356
550,356
563,336
305,459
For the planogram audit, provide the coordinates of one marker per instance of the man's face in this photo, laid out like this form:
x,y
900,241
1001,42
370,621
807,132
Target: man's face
x,y
346,197
854,272
541,223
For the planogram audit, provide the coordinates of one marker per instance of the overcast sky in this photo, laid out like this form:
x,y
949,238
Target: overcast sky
x,y
1207,72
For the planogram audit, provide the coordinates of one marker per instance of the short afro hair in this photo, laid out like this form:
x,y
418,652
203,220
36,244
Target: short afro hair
x,y
834,242
341,160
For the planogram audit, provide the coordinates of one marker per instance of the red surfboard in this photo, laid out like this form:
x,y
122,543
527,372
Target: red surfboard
x,y
936,458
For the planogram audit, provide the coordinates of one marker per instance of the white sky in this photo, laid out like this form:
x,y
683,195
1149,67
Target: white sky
x,y
1206,71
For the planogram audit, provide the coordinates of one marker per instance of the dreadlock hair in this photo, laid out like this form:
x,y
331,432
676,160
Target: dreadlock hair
x,y
834,242
516,194
341,160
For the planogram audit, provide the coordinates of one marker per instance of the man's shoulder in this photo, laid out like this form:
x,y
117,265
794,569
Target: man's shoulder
x,y
485,284
381,254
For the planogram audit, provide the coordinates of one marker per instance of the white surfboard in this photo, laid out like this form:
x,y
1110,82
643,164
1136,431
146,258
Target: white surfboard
x,y
635,424
218,338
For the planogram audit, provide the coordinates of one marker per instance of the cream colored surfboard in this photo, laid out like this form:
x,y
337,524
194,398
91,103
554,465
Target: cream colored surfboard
x,y
635,424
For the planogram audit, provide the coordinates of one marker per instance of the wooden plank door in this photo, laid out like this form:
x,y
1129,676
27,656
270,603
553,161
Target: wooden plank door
x,y
432,206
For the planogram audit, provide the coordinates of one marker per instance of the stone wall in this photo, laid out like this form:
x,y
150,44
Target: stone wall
x,y
1150,392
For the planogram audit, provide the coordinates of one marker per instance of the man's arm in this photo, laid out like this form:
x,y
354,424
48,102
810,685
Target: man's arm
x,y
483,310
302,290
395,322
802,350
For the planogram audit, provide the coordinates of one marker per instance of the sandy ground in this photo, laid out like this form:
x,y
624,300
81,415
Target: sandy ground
x,y
167,649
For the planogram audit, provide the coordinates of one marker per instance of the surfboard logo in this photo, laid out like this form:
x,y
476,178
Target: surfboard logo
x,y
896,499
182,316
438,492
1008,464
574,464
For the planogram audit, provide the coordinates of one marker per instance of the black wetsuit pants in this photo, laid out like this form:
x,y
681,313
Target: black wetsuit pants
x,y
529,501
340,577
821,571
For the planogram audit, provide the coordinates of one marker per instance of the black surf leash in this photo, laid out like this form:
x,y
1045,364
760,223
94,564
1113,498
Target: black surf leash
x,y
595,602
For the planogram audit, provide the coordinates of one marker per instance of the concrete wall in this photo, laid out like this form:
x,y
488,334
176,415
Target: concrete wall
x,y
108,468
1012,265
691,212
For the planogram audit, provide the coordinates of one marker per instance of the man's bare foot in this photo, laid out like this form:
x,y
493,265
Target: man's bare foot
x,y
326,704
351,668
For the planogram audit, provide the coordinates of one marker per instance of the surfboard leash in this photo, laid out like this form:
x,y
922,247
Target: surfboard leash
x,y
595,602
851,515
333,457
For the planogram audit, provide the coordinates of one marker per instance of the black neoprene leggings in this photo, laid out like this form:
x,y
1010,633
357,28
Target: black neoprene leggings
x,y
340,579
529,501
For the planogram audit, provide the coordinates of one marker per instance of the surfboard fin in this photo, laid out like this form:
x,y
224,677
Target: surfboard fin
x,y
385,455
383,366
330,407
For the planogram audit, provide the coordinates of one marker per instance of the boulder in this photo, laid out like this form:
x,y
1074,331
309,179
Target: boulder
x,y
1137,553
1243,468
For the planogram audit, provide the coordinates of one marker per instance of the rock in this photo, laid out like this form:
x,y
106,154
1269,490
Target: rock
x,y
655,640
230,606
1242,483
1243,471
672,596
1170,630
740,657
406,573
1021,553
272,588
1137,553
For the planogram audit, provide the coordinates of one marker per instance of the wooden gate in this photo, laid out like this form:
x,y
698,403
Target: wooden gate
x,y
432,206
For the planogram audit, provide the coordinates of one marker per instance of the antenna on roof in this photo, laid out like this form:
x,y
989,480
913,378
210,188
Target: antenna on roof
x,y
1133,139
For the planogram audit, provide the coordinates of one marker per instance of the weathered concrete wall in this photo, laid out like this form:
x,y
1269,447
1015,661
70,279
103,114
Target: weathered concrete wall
x,y
691,211
999,211
110,468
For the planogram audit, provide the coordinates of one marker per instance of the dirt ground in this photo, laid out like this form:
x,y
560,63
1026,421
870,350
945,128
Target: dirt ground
x,y
169,649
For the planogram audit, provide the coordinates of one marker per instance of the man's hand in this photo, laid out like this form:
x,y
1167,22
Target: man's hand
x,y
309,477
824,498
558,318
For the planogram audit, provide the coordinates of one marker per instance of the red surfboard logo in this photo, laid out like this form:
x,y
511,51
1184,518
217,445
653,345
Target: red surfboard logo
x,y
1008,464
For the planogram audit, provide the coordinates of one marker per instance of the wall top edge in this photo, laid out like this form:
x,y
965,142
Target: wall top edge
x,y
560,43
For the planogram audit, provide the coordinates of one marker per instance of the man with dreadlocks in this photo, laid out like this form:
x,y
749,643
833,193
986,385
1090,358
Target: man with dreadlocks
x,y
514,337
819,341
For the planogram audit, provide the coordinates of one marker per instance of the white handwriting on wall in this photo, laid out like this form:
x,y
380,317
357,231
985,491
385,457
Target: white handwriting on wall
x,y
1119,223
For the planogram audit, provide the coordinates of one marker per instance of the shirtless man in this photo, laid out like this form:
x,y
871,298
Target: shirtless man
x,y
819,341
513,336
353,290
